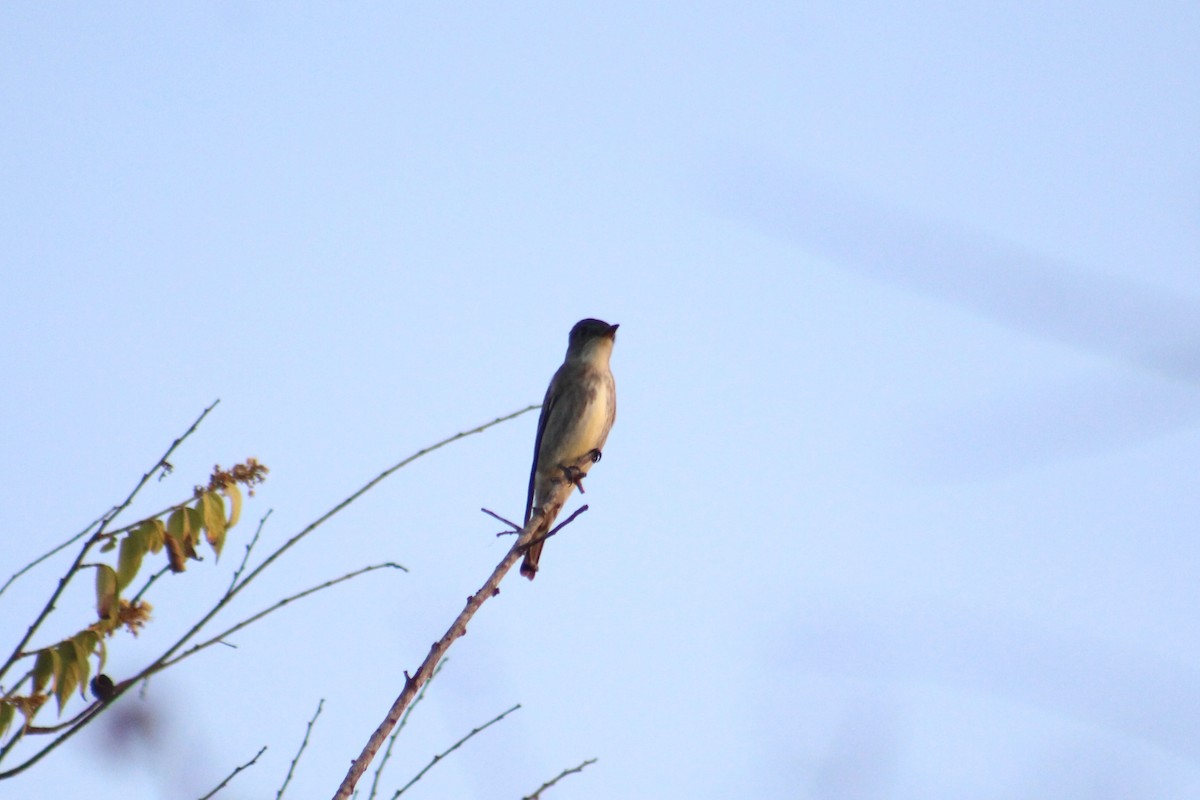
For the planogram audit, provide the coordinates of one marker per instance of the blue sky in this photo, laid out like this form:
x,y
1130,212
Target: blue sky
x,y
900,502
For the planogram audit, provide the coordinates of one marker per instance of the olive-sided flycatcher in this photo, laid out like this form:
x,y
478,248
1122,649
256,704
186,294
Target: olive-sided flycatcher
x,y
577,415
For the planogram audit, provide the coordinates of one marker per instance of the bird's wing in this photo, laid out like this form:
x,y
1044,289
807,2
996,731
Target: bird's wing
x,y
547,406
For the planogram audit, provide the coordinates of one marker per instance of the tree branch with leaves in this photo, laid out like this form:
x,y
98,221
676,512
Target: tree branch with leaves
x,y
62,668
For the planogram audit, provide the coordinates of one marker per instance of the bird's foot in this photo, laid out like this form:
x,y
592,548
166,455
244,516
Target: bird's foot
x,y
575,475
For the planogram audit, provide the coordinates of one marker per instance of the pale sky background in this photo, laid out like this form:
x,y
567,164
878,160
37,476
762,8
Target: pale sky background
x,y
902,497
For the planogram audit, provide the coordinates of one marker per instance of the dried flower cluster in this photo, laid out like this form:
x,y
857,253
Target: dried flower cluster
x,y
134,615
248,474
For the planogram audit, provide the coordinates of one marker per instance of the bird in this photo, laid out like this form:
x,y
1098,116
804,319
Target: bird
x,y
577,414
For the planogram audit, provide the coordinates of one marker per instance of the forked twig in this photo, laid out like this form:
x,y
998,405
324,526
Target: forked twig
x,y
515,527
543,537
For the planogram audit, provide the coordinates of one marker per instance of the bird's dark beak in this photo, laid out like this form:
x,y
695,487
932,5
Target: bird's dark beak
x,y
612,331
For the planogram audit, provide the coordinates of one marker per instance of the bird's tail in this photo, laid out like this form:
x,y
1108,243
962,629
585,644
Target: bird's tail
x,y
529,566
540,524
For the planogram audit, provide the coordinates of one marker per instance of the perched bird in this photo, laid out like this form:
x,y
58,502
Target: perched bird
x,y
577,415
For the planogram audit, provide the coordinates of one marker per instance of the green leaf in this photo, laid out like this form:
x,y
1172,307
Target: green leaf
x,y
44,668
109,545
235,504
7,712
68,676
129,560
106,591
212,509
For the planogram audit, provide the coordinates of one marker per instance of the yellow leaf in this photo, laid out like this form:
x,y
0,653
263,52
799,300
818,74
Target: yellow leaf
x,y
194,523
177,524
102,653
155,531
212,509
83,665
235,504
106,591
129,559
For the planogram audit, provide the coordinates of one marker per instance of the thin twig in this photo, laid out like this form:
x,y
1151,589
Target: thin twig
x,y
83,718
553,531
39,730
54,550
113,514
300,752
387,753
237,573
452,748
272,608
11,743
145,478
515,527
231,775
538,794
150,582
412,683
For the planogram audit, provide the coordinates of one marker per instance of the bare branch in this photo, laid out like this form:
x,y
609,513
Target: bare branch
x,y
538,794
412,683
396,733
452,748
300,752
231,775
